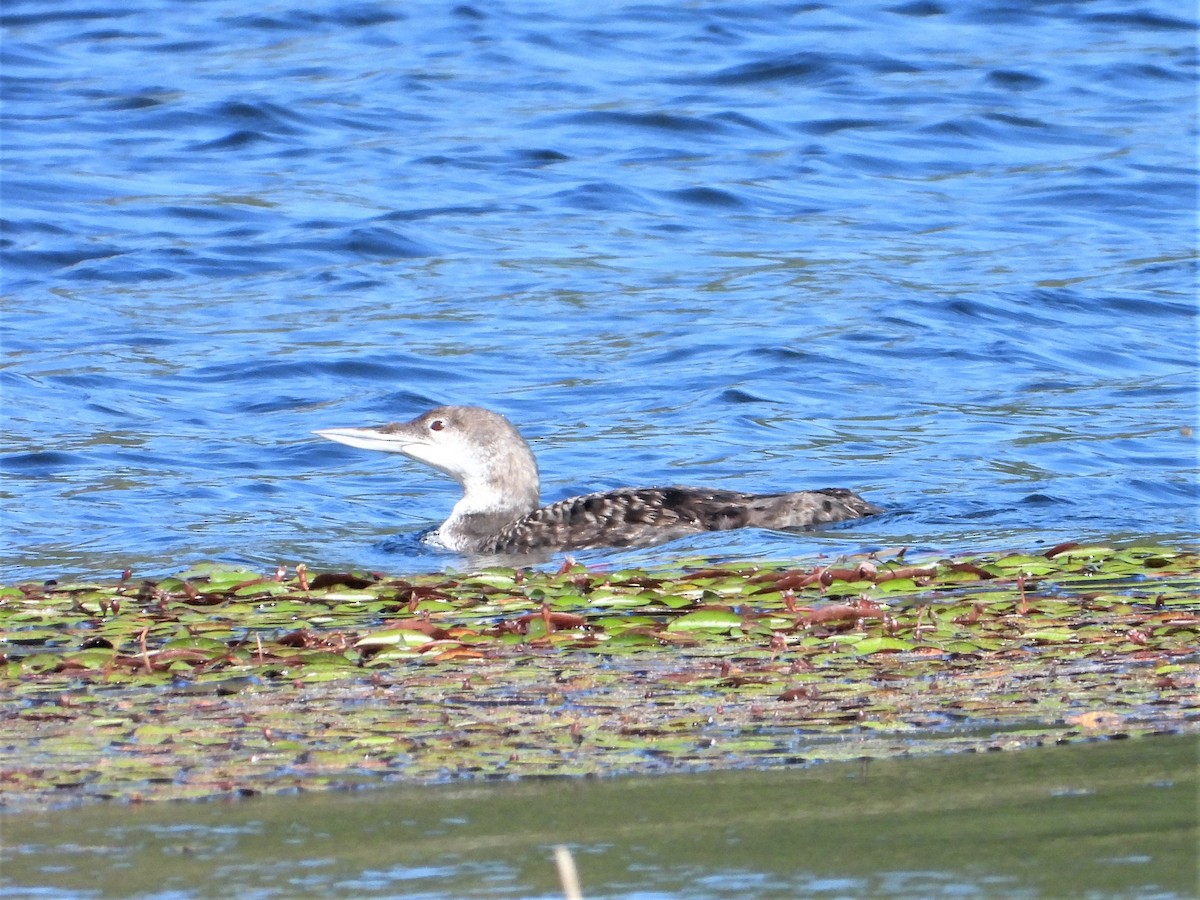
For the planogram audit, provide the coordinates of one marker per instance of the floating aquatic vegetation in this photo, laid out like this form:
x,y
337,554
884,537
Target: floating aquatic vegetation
x,y
220,681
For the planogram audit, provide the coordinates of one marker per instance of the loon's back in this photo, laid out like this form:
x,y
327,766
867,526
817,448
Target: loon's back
x,y
642,517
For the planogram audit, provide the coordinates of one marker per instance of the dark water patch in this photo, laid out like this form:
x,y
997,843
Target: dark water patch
x,y
1141,19
138,102
833,126
236,140
39,192
735,395
993,308
1015,81
353,15
54,260
250,371
1158,308
918,9
801,68
883,165
417,215
1016,121
57,16
363,242
127,272
17,56
263,116
742,120
1132,80
207,213
604,197
326,279
658,121
538,157
273,404
108,34
981,129
788,355
1043,500
376,242
187,46
440,160
1003,14
1156,388
1165,189
323,224
42,462
1130,201
702,196
1175,490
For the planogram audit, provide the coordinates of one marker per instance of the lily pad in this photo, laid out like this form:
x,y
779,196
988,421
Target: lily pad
x,y
706,620
265,679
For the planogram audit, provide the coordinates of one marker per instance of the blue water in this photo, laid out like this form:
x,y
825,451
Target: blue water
x,y
941,253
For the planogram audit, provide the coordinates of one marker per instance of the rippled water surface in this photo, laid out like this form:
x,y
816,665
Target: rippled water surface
x,y
940,253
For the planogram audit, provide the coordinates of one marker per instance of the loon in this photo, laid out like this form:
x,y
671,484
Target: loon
x,y
500,511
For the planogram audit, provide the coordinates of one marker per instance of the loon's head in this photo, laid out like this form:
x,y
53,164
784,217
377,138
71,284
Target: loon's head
x,y
479,449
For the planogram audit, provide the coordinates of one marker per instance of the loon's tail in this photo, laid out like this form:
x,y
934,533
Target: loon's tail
x,y
805,509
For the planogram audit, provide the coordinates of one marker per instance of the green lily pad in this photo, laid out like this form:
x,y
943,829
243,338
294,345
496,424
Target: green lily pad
x,y
706,620
393,637
882,644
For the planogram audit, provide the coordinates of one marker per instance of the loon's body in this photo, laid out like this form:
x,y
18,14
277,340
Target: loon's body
x,y
500,511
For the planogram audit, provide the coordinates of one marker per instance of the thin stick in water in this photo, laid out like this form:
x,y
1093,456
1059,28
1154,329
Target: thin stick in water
x,y
567,873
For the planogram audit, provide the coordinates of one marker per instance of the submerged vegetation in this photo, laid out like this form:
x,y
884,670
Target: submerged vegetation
x,y
221,682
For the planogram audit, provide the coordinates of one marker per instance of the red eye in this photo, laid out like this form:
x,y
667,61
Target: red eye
x,y
437,425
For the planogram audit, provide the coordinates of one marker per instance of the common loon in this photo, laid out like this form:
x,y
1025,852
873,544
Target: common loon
x,y
500,511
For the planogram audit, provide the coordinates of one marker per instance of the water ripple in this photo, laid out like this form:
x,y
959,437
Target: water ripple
x,y
943,253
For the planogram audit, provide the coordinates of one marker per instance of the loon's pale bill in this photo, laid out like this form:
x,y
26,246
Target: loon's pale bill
x,y
368,439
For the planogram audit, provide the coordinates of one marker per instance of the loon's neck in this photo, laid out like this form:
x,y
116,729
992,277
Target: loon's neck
x,y
483,512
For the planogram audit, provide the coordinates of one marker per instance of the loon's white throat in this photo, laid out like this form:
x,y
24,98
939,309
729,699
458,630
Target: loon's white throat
x,y
499,511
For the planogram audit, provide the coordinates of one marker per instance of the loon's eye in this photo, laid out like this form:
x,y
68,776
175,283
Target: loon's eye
x,y
437,425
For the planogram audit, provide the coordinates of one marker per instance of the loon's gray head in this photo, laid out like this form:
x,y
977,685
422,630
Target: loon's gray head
x,y
479,449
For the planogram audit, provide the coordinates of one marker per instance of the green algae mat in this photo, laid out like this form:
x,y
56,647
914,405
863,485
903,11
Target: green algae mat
x,y
220,682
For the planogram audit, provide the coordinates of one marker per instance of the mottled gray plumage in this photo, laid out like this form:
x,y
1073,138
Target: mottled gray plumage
x,y
499,512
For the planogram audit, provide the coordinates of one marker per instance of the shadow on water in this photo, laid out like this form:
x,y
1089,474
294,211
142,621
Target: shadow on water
x,y
1110,819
